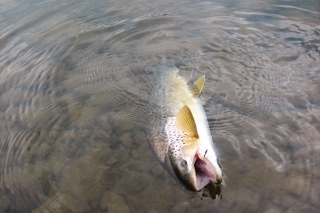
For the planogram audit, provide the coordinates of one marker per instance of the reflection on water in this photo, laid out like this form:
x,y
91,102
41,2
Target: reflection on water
x,y
70,70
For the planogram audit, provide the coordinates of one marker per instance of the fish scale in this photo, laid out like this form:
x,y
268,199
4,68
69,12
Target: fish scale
x,y
174,135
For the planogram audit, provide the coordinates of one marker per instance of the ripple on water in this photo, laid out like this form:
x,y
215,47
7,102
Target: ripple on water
x,y
68,69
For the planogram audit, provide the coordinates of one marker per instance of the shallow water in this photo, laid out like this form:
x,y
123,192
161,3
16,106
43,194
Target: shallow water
x,y
69,69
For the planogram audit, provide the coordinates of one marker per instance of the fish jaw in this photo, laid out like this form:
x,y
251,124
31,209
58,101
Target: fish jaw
x,y
206,172
196,171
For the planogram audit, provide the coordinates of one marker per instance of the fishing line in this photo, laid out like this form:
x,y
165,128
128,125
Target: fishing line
x,y
205,153
218,113
191,72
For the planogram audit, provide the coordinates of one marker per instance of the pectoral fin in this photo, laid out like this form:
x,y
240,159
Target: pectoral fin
x,y
185,122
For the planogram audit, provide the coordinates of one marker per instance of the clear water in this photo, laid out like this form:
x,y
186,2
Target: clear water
x,y
68,68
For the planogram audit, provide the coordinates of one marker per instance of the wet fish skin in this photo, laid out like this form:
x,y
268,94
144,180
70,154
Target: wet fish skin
x,y
187,153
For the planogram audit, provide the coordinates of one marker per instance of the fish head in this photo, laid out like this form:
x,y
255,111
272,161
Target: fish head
x,y
195,168
192,156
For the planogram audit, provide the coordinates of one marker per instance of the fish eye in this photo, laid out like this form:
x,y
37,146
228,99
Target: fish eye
x,y
184,163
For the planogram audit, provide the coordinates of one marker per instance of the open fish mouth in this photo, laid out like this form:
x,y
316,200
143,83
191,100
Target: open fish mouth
x,y
204,172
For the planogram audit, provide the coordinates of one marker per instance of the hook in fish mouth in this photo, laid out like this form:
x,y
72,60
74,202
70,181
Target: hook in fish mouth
x,y
196,171
204,172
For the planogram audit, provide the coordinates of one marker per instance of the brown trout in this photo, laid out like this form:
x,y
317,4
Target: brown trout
x,y
178,132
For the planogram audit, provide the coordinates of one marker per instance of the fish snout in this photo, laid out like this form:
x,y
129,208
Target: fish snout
x,y
219,180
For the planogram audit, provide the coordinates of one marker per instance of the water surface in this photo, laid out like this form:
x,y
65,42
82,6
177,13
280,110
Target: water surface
x,y
69,70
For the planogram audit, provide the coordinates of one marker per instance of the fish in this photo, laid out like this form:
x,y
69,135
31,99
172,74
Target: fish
x,y
178,131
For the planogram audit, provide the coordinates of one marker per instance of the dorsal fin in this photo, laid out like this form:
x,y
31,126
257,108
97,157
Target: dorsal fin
x,y
199,84
185,122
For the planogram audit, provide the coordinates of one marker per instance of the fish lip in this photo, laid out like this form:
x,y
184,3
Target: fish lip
x,y
204,172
